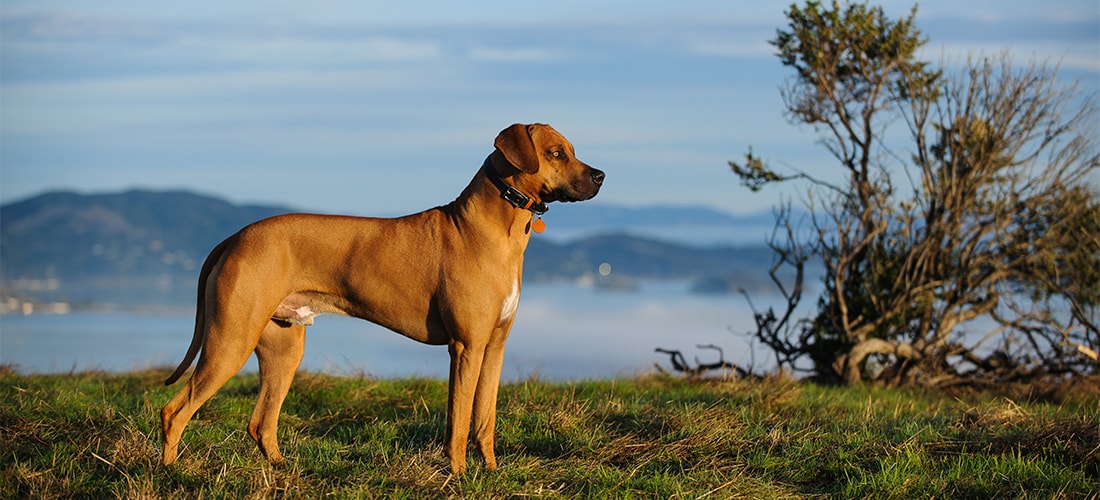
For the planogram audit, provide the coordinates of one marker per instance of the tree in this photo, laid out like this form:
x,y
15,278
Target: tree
x,y
968,252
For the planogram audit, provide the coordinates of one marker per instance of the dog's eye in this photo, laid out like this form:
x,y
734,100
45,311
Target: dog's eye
x,y
557,153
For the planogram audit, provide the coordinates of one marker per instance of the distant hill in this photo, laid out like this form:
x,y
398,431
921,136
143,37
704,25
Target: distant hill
x,y
603,215
145,247
133,248
73,235
691,225
638,258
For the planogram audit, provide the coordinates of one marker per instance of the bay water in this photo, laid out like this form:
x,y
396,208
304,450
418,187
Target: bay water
x,y
561,332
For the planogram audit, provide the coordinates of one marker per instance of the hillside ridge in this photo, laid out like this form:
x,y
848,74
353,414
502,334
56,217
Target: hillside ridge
x,y
144,245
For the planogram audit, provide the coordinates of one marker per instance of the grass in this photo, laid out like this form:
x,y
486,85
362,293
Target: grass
x,y
96,435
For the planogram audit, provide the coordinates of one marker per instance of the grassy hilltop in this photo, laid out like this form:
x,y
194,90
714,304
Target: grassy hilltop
x,y
97,435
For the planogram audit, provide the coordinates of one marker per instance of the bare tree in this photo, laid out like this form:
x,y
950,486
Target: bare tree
x,y
969,252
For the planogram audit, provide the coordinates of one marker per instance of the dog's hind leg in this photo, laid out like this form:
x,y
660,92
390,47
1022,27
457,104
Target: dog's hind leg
x,y
213,370
279,353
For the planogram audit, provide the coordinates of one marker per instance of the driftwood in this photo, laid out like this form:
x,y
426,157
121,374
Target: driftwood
x,y
681,365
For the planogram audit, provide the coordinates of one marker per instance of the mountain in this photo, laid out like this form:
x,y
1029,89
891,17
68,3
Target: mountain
x,y
135,232
137,247
638,258
602,215
145,247
691,225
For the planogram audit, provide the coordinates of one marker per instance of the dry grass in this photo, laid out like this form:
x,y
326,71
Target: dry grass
x,y
97,435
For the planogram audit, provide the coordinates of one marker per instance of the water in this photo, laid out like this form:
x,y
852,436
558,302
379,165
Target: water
x,y
562,332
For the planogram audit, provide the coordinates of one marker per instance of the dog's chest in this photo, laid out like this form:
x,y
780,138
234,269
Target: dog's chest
x,y
511,302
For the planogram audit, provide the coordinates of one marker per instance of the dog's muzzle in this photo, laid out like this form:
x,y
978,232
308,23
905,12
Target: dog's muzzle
x,y
584,188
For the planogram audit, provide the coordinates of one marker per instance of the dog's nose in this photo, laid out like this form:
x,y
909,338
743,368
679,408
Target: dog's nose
x,y
597,176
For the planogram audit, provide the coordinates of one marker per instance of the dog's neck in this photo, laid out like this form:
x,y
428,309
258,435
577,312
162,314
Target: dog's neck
x,y
484,196
509,193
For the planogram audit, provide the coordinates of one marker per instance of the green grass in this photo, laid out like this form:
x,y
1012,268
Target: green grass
x,y
96,435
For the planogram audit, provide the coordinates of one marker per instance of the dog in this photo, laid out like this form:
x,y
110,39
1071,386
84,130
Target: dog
x,y
449,275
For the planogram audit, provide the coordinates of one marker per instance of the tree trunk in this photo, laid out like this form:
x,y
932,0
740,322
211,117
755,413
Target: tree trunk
x,y
847,366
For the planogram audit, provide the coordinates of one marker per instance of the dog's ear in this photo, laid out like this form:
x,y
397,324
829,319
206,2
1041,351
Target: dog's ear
x,y
517,146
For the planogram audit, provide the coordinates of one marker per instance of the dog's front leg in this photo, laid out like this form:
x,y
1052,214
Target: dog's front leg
x,y
466,359
485,399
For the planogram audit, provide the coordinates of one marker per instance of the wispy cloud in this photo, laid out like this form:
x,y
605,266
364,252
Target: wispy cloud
x,y
351,88
307,52
516,55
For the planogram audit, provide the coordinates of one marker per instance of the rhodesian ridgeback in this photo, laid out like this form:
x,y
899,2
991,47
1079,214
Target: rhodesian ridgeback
x,y
449,275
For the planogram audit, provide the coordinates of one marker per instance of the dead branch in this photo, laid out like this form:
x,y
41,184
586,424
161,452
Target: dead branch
x,y
676,358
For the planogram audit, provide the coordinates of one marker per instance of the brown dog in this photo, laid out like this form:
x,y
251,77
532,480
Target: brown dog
x,y
450,275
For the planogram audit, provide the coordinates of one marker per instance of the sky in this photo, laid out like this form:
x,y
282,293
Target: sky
x,y
373,107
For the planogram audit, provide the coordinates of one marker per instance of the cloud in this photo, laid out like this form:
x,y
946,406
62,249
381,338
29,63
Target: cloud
x,y
516,55
309,52
74,27
354,88
731,48
1067,57
65,45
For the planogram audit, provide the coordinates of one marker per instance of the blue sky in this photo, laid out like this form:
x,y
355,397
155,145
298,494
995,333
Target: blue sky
x,y
389,107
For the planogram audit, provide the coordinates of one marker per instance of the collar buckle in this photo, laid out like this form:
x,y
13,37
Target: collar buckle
x,y
516,198
512,195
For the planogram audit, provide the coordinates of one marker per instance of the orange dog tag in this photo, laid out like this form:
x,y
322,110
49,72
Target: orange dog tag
x,y
538,225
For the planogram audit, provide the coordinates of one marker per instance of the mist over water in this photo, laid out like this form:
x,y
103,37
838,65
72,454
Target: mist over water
x,y
562,332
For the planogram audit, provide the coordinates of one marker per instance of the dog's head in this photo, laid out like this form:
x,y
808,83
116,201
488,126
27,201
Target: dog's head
x,y
543,162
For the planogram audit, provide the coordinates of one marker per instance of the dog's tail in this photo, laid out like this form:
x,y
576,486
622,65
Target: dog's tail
x,y
199,337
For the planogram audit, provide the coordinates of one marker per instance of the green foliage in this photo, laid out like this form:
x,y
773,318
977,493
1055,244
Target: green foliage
x,y
96,435
853,50
850,63
1073,264
1000,207
754,173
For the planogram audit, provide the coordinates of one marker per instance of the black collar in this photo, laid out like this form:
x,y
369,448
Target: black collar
x,y
511,194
